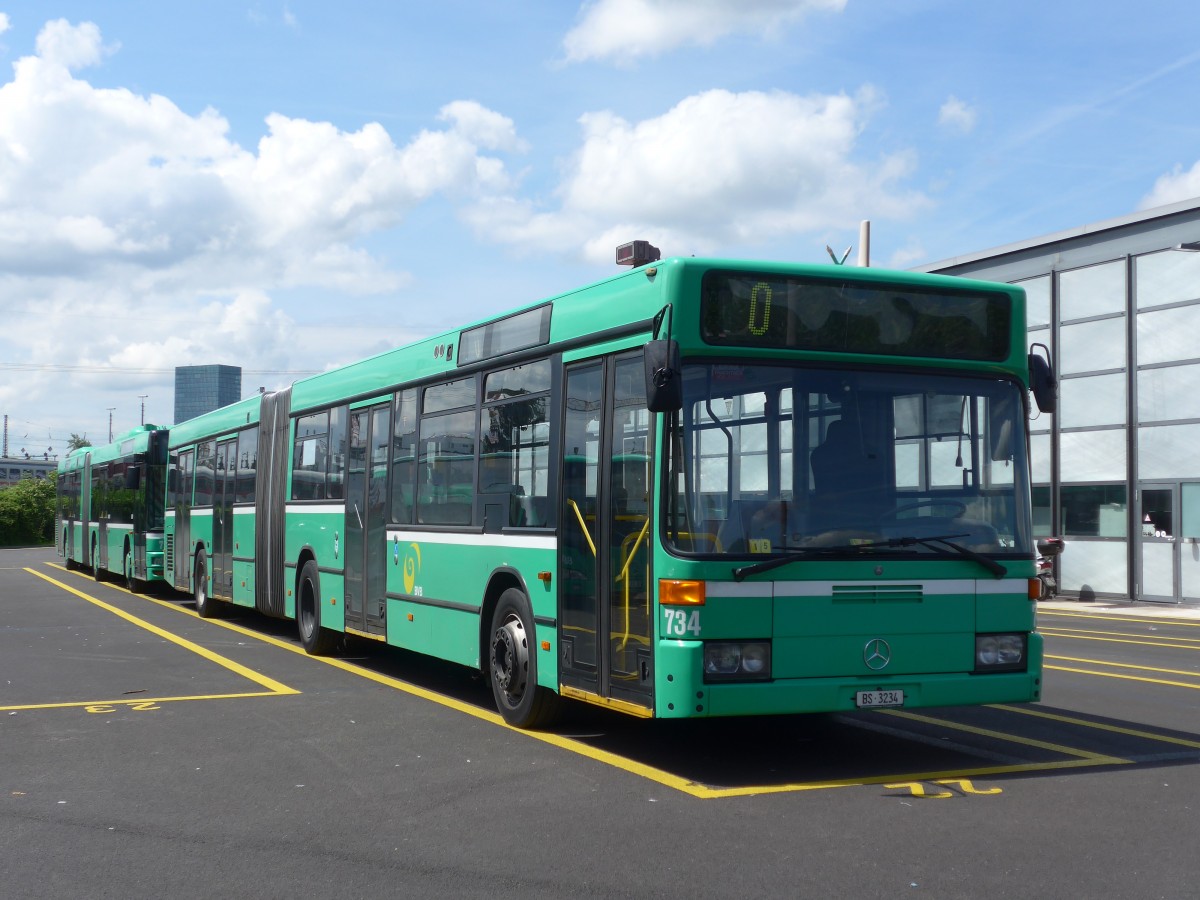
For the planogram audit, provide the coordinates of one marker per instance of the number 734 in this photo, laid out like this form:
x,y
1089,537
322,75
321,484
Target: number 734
x,y
681,623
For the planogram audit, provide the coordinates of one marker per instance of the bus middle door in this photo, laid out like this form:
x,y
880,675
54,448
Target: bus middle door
x,y
365,564
224,486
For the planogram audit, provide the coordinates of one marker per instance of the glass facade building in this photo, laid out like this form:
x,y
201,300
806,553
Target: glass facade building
x,y
1116,471
201,389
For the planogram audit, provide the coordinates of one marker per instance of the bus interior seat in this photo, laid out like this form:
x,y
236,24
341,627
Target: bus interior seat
x,y
844,473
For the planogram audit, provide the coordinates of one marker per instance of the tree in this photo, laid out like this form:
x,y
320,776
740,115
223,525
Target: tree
x,y
78,441
27,512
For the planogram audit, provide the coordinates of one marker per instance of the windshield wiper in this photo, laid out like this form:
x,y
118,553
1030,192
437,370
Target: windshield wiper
x,y
934,542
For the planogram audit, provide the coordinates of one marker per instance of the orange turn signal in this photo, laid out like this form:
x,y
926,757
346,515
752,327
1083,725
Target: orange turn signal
x,y
1035,589
680,593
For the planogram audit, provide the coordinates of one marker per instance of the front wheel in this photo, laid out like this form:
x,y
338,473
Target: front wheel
x,y
512,664
316,640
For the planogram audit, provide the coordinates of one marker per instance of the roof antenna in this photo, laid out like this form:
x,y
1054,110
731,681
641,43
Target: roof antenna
x,y
834,256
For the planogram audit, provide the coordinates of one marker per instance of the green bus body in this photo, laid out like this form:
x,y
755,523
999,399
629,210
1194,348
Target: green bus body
x,y
501,496
110,507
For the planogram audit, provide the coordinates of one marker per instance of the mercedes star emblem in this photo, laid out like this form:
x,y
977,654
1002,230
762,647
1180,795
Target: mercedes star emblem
x,y
877,654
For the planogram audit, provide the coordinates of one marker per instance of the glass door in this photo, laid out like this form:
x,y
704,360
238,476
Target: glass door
x,y
604,545
1158,506
224,486
1189,540
366,538
182,545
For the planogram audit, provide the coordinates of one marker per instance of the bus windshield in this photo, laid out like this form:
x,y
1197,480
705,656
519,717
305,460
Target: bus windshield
x,y
769,459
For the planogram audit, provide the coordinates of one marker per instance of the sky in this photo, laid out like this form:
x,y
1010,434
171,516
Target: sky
x,y
288,187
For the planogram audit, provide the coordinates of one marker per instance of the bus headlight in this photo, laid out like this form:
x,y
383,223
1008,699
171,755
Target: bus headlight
x,y
999,652
737,660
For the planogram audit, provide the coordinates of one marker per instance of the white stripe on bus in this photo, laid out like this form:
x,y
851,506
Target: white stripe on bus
x,y
317,509
522,541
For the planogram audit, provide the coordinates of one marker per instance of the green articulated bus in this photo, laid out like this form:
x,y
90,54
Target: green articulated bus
x,y
702,487
110,507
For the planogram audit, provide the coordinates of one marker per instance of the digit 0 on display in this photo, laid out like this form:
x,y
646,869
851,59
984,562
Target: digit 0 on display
x,y
756,329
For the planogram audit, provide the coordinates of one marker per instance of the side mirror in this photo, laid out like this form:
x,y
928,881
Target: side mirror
x,y
133,478
664,385
1042,382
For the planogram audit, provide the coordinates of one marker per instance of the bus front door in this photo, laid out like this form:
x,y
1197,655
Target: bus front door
x,y
224,485
366,518
605,622
182,540
84,516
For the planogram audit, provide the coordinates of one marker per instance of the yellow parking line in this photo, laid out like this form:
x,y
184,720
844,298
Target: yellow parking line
x,y
1068,632
1124,677
1112,640
140,701
668,779
1164,620
1115,665
270,684
1002,736
1099,726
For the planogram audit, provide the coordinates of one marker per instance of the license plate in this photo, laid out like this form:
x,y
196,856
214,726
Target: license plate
x,y
872,699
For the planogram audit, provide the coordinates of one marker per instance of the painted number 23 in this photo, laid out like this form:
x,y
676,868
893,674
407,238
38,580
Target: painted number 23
x,y
681,624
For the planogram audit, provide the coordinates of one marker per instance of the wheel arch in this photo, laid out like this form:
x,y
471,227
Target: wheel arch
x,y
499,581
306,554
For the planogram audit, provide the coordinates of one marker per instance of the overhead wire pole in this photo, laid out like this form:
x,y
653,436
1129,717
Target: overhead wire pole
x,y
143,397
110,412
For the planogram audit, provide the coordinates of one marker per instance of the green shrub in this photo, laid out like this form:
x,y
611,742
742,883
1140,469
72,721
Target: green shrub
x,y
27,513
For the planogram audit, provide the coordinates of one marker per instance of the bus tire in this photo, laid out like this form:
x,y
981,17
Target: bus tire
x,y
206,606
131,584
316,640
512,665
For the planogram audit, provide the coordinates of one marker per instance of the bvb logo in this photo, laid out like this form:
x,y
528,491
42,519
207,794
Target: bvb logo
x,y
412,565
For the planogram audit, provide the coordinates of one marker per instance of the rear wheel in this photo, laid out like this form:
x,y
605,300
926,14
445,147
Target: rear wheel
x,y
131,583
206,606
512,664
316,640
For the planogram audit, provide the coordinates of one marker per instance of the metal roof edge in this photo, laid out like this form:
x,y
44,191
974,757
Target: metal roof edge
x,y
1145,215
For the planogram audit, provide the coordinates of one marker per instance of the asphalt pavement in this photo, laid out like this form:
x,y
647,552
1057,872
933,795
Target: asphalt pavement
x,y
145,752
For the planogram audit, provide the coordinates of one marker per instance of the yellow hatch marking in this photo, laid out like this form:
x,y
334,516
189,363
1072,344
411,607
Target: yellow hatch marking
x,y
272,686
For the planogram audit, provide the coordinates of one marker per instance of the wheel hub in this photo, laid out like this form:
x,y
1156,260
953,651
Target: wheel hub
x,y
510,657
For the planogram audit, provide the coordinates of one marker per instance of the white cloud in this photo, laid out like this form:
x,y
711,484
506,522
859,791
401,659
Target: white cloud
x,y
955,115
624,30
704,175
107,177
71,46
1174,186
147,237
5,23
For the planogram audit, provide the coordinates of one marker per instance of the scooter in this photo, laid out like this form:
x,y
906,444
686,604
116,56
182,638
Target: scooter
x,y
1048,549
